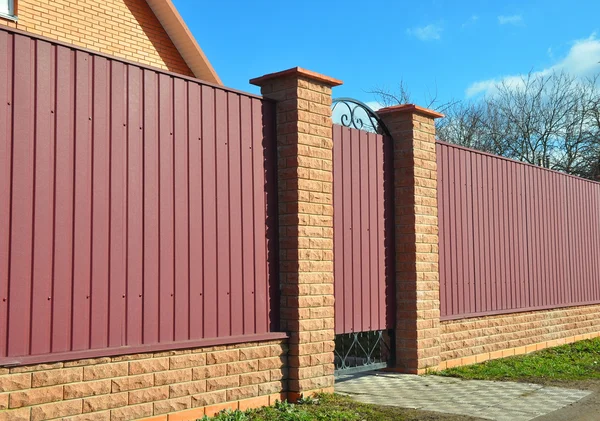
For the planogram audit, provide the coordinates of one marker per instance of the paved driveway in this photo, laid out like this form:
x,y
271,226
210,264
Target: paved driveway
x,y
500,401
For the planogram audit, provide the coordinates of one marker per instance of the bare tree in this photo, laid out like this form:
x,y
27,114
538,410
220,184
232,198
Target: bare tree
x,y
551,120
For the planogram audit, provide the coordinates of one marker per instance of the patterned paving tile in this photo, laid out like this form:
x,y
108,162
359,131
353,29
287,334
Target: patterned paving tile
x,y
499,401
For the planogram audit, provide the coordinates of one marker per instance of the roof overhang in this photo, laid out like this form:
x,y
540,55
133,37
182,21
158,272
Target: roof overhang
x,y
183,40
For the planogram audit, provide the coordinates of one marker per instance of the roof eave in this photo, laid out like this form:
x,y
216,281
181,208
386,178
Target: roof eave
x,y
183,40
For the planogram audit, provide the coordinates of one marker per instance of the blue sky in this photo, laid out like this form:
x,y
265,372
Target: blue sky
x,y
460,48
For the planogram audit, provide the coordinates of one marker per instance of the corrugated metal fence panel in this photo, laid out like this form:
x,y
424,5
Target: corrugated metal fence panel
x,y
359,232
514,237
133,208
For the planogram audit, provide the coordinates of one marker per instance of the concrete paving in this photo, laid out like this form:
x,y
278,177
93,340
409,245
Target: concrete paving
x,y
500,401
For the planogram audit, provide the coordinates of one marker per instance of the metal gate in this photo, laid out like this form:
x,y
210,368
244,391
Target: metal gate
x,y
363,242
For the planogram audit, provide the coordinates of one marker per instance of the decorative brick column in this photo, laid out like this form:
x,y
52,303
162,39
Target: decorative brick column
x,y
417,276
305,177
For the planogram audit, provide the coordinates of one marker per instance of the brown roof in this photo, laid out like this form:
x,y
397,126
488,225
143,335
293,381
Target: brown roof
x,y
183,40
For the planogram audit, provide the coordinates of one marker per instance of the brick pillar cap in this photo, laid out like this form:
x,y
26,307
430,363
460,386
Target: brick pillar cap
x,y
410,108
297,72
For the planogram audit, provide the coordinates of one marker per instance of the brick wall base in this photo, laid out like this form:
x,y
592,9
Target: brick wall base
x,y
468,341
163,386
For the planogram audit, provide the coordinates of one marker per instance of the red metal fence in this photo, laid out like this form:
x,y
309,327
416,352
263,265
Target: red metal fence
x,y
133,206
361,296
514,236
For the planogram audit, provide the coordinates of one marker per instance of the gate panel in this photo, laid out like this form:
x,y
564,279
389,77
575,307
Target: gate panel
x,y
361,290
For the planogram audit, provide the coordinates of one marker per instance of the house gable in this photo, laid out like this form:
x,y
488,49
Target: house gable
x,y
128,29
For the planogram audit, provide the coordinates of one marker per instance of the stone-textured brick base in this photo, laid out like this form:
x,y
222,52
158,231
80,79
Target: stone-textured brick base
x,y
173,385
468,341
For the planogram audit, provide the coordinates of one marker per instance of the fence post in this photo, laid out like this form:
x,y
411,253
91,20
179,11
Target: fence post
x,y
305,196
412,130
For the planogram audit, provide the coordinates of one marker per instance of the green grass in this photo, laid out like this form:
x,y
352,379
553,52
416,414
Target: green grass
x,y
576,361
325,407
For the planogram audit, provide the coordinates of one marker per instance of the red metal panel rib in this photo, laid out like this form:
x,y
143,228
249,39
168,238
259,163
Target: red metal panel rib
x,y
387,309
450,264
166,209
511,235
196,214
346,145
469,250
80,338
235,214
63,199
135,206
151,210
338,229
478,279
573,217
441,182
118,206
366,283
43,227
489,234
546,290
6,138
262,280
223,239
19,316
460,232
100,202
247,216
595,202
180,139
451,286
560,270
590,258
520,239
356,245
209,194
374,208
552,243
502,234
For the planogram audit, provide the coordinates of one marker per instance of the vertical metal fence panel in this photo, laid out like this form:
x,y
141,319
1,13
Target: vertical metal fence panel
x,y
247,216
361,285
23,152
514,237
346,221
43,211
63,199
196,297
118,207
134,206
6,129
181,289
82,203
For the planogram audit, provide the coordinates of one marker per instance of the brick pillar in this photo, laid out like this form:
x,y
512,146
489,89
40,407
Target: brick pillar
x,y
305,177
417,276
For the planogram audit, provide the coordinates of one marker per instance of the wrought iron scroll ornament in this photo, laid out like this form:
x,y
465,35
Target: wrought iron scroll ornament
x,y
358,115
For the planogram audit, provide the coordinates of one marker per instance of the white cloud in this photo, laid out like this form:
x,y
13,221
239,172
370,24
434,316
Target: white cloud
x,y
472,20
581,61
510,20
426,33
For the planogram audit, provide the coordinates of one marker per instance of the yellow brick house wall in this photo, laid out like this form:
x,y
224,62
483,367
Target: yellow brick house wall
x,y
126,29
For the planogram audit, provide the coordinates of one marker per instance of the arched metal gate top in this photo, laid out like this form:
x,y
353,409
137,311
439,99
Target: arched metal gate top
x,y
358,115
